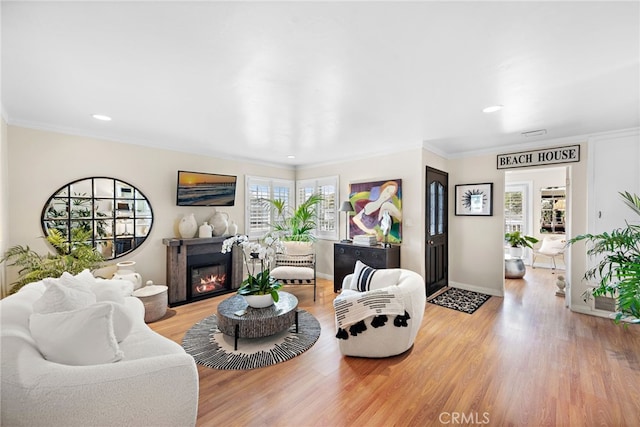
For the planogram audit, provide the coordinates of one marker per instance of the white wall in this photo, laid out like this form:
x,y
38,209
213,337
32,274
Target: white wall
x,y
42,162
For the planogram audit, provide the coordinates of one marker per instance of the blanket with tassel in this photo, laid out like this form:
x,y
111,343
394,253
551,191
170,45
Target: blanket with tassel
x,y
351,309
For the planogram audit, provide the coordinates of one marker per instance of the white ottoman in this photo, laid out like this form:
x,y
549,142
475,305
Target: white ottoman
x,y
154,298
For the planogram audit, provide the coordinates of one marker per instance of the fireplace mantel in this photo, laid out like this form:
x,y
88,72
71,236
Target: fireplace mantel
x,y
178,253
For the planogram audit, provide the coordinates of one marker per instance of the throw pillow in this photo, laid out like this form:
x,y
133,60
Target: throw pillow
x,y
367,278
58,297
79,337
83,280
122,321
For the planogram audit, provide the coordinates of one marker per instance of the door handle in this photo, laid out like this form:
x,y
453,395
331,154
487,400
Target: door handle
x,y
431,242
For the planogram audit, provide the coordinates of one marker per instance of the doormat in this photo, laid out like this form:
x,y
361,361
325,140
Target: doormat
x,y
210,347
460,300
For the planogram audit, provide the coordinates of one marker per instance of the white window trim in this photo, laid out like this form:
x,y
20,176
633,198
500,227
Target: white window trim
x,y
271,183
314,186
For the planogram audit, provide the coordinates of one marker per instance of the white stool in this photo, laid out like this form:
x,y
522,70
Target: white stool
x,y
154,298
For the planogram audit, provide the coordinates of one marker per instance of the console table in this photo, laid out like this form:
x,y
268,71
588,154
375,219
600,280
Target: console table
x,y
345,256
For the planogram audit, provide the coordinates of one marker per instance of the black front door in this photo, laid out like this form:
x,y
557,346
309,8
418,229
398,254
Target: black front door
x,y
436,244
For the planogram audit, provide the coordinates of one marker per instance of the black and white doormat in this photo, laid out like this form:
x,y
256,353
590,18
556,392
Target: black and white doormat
x,y
212,348
460,300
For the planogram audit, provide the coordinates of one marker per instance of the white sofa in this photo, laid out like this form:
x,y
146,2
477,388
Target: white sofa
x,y
406,291
155,382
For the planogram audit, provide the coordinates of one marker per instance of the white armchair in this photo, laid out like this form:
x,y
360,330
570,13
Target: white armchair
x,y
367,328
551,247
297,266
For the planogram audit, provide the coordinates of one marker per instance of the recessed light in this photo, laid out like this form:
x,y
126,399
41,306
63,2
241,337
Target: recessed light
x,y
291,156
492,109
101,117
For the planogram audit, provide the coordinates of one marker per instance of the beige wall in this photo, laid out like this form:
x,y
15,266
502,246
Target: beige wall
x,y
405,165
4,203
476,242
41,162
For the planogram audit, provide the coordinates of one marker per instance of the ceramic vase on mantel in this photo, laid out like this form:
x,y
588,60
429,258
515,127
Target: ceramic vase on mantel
x,y
220,222
188,227
205,230
259,301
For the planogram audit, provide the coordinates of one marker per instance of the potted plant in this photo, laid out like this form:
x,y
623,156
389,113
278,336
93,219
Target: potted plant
x,y
259,288
296,224
515,239
72,256
618,271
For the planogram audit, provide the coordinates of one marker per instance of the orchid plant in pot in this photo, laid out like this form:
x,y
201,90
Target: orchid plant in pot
x,y
258,257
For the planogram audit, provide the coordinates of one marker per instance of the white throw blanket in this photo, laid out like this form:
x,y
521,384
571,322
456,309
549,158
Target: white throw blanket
x,y
353,308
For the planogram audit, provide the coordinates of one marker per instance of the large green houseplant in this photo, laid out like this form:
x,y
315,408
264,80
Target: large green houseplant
x,y
295,224
618,271
72,256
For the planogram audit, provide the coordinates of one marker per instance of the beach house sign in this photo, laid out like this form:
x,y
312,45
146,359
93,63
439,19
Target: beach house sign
x,y
546,156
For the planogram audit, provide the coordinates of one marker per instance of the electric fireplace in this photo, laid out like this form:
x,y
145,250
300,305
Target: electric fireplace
x,y
208,275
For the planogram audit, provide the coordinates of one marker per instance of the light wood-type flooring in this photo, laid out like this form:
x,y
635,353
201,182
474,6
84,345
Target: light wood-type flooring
x,y
521,360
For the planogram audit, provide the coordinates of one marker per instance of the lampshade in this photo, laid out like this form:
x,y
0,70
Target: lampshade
x,y
346,206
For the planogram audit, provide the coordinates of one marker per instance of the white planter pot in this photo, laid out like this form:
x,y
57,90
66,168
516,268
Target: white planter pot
x,y
259,301
516,252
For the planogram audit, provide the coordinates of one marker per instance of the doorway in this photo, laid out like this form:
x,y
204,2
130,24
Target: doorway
x,y
535,204
436,231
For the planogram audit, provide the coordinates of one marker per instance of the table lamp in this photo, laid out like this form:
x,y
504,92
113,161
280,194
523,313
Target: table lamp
x,y
347,208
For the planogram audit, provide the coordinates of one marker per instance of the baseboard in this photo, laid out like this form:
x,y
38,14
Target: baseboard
x,y
479,289
324,276
584,309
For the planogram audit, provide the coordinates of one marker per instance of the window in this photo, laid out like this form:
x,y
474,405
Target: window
x,y
513,209
328,208
258,213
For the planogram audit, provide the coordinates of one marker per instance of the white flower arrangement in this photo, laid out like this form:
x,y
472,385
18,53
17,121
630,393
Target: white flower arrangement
x,y
265,252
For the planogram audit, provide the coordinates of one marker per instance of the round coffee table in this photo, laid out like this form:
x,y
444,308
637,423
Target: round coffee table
x,y
237,319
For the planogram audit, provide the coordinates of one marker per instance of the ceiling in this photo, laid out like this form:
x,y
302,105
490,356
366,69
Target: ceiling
x,y
322,81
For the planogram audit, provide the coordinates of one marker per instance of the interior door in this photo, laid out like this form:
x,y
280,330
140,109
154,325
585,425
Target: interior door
x,y
436,244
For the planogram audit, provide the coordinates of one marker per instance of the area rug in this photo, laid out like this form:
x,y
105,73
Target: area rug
x,y
212,348
461,300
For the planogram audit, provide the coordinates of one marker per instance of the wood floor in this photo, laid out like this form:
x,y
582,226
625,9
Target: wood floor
x,y
521,360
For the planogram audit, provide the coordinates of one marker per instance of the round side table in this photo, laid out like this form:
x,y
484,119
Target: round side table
x,y
155,300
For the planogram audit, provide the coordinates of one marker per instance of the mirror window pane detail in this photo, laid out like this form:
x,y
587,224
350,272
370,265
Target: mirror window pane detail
x,y
116,215
553,207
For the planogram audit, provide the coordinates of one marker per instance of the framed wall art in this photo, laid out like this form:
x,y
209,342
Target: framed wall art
x,y
474,199
370,201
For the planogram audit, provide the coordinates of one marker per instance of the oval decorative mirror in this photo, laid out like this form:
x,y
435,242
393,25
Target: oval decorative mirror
x,y
116,214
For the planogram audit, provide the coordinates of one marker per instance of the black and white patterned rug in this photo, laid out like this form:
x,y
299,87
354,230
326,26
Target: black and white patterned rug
x,y
460,300
212,348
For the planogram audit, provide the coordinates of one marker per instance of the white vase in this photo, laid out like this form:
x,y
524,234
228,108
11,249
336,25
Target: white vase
x,y
220,222
188,226
259,301
205,230
127,271
233,228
